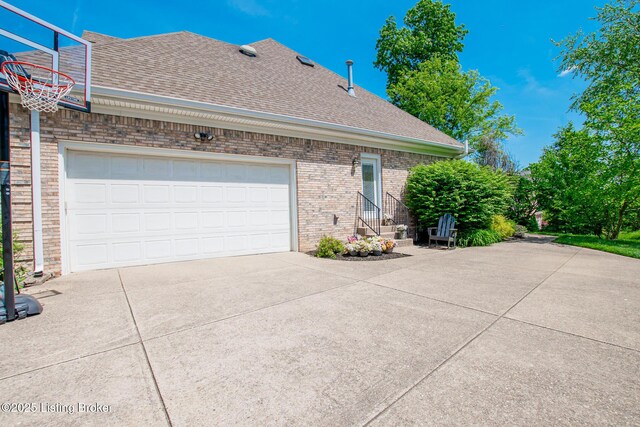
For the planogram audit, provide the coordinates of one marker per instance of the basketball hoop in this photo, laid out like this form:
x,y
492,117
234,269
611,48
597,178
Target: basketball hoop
x,y
40,88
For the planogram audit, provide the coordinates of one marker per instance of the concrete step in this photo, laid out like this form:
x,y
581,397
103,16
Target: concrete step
x,y
404,242
383,229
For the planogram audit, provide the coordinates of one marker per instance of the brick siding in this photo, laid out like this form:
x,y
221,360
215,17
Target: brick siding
x,y
326,180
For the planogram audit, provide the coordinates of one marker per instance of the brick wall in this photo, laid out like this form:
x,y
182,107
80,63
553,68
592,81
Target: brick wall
x,y
326,181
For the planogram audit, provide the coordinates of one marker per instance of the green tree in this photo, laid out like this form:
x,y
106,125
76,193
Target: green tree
x,y
429,31
609,60
525,204
567,183
426,80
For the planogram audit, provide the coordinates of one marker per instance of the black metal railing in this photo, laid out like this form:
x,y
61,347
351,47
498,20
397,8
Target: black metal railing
x,y
396,212
369,214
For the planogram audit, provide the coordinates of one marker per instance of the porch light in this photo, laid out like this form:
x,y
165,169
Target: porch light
x,y
355,160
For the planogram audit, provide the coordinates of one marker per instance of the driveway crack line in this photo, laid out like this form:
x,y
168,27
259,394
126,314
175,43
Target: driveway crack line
x,y
201,324
146,355
572,334
466,344
431,298
73,359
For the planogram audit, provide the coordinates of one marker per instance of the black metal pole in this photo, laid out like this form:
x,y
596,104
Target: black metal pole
x,y
5,189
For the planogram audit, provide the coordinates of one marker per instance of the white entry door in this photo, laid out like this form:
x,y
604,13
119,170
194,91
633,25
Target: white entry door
x,y
371,182
130,210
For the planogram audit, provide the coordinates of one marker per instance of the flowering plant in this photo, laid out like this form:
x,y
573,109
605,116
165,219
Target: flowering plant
x,y
352,239
389,244
363,246
376,247
401,227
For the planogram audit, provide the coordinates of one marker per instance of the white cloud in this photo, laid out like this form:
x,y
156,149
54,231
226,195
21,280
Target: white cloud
x,y
566,72
76,16
248,7
532,85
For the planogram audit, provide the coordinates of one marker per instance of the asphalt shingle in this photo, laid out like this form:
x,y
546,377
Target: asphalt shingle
x,y
193,67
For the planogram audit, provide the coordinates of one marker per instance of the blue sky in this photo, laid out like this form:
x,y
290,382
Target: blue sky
x,y
509,41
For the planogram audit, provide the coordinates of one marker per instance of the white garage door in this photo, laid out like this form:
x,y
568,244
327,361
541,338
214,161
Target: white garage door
x,y
131,210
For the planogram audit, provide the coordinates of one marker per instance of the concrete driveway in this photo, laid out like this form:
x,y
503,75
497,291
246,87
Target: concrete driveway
x,y
518,333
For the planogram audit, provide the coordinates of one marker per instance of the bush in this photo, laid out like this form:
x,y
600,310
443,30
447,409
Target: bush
x,y
532,225
503,226
328,247
472,194
19,270
479,238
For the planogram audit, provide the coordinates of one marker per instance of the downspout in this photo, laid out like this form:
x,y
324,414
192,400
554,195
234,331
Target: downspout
x,y
36,194
465,153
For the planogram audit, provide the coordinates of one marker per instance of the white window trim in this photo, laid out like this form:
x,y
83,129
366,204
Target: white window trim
x,y
65,146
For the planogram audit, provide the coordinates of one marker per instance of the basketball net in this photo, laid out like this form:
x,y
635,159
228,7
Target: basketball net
x,y
40,88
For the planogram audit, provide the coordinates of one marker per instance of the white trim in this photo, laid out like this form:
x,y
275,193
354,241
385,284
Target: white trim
x,y
65,146
62,178
36,193
137,104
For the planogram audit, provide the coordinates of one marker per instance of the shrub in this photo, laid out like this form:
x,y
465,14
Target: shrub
x,y
503,226
479,238
532,224
472,194
328,247
19,270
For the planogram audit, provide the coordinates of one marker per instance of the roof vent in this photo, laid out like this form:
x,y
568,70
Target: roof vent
x,y
248,50
305,61
350,90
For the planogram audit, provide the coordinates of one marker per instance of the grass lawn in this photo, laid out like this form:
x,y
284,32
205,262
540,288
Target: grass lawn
x,y
628,244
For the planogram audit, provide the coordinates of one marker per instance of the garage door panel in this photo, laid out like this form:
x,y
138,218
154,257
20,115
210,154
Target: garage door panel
x,y
88,193
156,249
186,221
212,194
236,219
125,193
88,165
132,210
279,195
126,251
125,167
157,221
126,223
156,168
186,194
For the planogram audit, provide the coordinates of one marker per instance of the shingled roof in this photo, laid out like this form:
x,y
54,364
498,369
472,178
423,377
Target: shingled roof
x,y
197,68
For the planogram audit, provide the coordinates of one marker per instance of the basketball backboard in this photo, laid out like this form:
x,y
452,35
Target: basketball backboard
x,y
24,37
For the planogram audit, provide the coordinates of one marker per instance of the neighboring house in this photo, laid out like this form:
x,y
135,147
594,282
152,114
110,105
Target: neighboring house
x,y
279,163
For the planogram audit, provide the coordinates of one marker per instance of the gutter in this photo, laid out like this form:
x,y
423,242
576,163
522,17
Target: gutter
x,y
274,120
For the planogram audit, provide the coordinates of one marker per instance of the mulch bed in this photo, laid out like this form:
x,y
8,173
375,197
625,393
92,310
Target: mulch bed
x,y
382,257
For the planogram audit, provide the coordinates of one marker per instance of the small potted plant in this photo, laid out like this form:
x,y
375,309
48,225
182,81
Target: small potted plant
x,y
376,248
388,245
350,248
387,219
401,231
363,248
